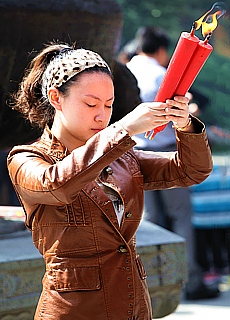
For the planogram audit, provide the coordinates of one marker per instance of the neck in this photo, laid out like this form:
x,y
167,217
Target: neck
x,y
62,135
161,56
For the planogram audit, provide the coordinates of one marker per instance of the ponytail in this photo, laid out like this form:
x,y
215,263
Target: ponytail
x,y
29,99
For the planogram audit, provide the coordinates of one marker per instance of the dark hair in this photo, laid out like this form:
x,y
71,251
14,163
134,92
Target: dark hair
x,y
29,100
152,38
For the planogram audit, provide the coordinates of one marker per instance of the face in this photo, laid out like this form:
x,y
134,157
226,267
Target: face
x,y
85,110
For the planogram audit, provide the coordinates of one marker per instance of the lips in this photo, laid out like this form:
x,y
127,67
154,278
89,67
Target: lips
x,y
97,130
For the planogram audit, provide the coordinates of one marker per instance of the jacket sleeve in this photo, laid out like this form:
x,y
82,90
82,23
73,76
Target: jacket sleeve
x,y
40,181
190,165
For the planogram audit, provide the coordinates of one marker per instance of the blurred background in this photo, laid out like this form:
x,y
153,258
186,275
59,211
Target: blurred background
x,y
213,80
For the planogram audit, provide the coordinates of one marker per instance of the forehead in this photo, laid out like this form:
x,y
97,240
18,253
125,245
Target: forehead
x,y
90,77
94,82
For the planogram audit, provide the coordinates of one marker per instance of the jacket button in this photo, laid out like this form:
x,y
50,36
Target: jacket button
x,y
128,214
109,170
122,249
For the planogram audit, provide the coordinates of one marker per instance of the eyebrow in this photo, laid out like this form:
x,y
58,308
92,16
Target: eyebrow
x,y
95,97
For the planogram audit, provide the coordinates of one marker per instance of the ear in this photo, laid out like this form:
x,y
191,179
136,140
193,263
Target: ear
x,y
54,98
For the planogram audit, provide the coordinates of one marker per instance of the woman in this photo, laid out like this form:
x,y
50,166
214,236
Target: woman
x,y
81,185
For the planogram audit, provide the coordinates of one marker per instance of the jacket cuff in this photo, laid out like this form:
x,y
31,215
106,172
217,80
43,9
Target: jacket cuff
x,y
198,125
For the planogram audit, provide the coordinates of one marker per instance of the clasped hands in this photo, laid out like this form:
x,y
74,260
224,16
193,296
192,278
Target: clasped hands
x,y
149,115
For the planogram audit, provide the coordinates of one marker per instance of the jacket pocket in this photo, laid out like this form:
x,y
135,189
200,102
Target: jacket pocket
x,y
141,268
74,278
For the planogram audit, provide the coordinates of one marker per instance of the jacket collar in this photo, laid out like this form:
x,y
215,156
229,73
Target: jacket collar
x,y
55,148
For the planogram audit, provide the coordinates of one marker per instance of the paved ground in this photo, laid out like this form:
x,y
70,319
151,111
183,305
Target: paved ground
x,y
218,308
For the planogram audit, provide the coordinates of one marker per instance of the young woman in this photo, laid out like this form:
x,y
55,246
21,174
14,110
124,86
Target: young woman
x,y
81,184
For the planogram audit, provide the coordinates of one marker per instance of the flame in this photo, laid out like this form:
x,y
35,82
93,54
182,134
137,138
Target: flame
x,y
209,27
198,23
208,22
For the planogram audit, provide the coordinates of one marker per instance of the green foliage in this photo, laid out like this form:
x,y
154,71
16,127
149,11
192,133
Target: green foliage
x,y
174,16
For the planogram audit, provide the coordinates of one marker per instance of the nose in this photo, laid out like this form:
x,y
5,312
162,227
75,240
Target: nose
x,y
101,115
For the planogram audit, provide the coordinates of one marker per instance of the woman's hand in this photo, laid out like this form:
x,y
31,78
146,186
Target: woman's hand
x,y
178,111
150,115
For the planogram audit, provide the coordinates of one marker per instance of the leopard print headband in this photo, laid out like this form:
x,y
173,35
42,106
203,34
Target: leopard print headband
x,y
67,64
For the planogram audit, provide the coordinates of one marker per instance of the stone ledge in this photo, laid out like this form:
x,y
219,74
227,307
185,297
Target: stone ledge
x,y
20,284
163,254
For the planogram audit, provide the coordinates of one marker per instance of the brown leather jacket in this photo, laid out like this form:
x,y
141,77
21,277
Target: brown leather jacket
x,y
92,269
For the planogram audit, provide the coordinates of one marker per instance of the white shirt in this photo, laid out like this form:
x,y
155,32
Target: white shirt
x,y
116,200
149,74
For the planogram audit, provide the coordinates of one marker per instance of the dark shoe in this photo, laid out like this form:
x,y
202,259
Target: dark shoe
x,y
202,292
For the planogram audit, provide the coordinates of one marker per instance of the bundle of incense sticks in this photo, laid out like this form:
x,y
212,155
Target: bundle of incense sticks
x,y
187,60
